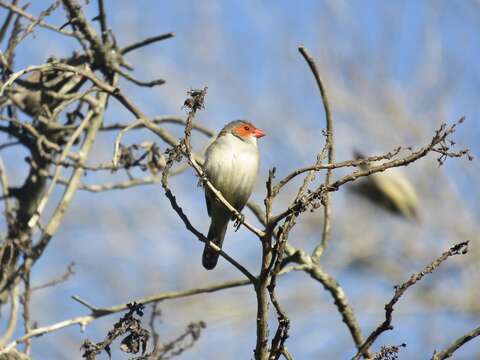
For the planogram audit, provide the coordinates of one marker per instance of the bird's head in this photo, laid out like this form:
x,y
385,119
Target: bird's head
x,y
243,130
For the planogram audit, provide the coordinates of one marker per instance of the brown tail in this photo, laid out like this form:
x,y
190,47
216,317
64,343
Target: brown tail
x,y
216,234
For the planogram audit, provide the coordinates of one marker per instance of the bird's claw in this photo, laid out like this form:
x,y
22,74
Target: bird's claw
x,y
238,221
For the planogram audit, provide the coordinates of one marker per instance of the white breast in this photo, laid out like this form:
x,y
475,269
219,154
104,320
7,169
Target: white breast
x,y
232,166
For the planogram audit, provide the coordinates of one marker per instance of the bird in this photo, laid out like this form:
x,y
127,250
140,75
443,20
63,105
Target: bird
x,y
231,164
391,190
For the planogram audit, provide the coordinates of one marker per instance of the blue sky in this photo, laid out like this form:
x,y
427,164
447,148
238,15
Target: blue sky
x,y
394,70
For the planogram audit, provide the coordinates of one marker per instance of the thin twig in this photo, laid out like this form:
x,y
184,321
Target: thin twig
x,y
102,17
327,216
349,163
25,300
63,278
458,249
32,18
39,19
337,293
12,319
83,321
201,237
448,352
6,23
77,17
438,139
43,202
148,180
55,220
127,76
316,272
163,120
5,193
146,42
111,90
85,303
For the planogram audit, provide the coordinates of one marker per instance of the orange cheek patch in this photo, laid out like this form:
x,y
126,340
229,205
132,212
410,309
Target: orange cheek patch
x,y
240,131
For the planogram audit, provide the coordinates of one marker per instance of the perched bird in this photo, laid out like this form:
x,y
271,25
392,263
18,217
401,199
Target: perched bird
x,y
391,190
231,165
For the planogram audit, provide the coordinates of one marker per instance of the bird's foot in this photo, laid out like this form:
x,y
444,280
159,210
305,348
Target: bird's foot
x,y
238,221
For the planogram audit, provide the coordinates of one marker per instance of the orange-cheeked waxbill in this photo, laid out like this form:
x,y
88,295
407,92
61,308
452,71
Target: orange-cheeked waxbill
x,y
231,165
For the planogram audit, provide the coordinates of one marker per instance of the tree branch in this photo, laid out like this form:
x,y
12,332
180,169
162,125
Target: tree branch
x,y
146,42
462,340
83,321
438,139
330,145
32,18
458,249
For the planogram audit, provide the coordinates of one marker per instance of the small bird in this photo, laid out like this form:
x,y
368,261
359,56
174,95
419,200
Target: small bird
x,y
390,190
231,165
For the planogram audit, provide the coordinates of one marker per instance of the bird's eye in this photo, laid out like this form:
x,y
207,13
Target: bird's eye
x,y
247,128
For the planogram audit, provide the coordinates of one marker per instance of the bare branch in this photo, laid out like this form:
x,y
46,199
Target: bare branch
x,y
25,300
6,194
83,321
134,80
148,180
201,237
13,316
349,163
32,18
438,139
458,249
316,272
146,42
8,20
43,201
76,17
102,18
336,291
163,120
462,340
177,346
63,278
330,145
39,19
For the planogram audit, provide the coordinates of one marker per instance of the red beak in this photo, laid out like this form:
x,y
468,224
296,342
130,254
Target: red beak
x,y
259,133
